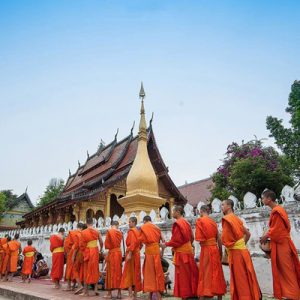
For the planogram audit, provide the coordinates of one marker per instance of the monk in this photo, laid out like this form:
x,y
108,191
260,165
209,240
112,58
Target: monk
x,y
2,253
211,277
6,259
29,253
58,256
186,272
243,281
131,277
284,257
113,241
69,251
77,258
90,250
15,249
154,280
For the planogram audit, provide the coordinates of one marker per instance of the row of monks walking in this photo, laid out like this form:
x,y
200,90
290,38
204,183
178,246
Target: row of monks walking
x,y
83,250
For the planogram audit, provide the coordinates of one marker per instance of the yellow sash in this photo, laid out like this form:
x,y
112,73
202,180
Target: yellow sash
x,y
152,249
238,245
209,242
29,254
92,244
58,250
185,248
114,250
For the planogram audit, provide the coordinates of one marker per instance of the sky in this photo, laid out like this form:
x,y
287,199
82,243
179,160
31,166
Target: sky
x,y
70,74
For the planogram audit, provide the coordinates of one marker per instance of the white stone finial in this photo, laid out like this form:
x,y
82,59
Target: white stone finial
x,y
164,214
188,210
288,193
153,215
250,200
216,205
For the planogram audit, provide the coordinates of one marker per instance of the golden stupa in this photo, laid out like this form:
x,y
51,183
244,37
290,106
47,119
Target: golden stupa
x,y
142,185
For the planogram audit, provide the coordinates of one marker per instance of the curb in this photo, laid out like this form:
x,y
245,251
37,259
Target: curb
x,y
18,295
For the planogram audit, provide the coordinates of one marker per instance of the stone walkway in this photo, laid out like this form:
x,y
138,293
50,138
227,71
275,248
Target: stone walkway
x,y
42,289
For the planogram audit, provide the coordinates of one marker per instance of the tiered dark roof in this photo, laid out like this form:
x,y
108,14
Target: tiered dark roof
x,y
107,166
19,199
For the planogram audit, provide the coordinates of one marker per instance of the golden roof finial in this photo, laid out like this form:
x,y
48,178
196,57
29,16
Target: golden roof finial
x,y
143,125
142,92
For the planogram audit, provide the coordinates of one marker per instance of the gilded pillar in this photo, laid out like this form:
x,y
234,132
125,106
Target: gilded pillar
x,y
172,200
107,205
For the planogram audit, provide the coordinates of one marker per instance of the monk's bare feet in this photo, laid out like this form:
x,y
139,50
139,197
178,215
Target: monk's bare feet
x,y
107,296
84,294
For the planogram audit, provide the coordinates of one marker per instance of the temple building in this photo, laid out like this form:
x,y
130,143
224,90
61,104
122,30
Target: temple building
x,y
14,212
125,176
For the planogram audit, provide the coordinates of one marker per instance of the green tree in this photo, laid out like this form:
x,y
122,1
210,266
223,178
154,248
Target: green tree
x,y
288,139
2,203
53,189
10,198
251,167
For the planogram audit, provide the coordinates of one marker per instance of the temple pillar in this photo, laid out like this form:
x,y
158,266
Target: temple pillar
x,y
172,200
61,217
107,211
77,210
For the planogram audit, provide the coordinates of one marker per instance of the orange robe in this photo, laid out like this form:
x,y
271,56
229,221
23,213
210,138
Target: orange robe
x,y
2,252
114,259
132,269
186,272
284,257
6,258
243,281
77,270
69,251
58,257
211,277
29,253
90,250
14,248
154,280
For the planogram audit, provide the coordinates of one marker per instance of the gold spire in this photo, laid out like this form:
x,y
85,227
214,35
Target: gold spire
x,y
143,124
142,186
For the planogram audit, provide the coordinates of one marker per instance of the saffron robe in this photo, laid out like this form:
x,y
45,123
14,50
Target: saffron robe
x,y
114,259
90,250
284,257
29,255
6,258
243,281
14,248
69,251
211,277
186,272
77,269
2,252
58,257
154,280
132,269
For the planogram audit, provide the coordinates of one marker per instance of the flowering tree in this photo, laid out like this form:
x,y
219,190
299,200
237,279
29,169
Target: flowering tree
x,y
251,167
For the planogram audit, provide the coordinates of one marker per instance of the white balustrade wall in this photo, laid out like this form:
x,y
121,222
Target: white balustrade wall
x,y
255,219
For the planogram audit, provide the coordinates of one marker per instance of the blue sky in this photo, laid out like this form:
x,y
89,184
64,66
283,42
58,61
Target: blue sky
x,y
70,73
